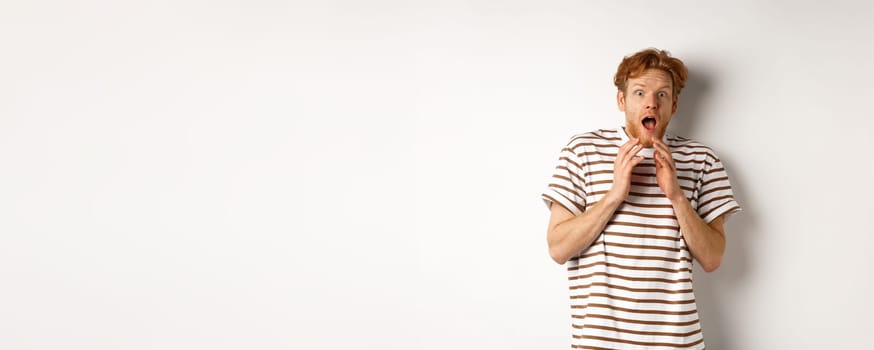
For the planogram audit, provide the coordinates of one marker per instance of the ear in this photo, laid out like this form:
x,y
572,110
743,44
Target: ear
x,y
620,100
675,105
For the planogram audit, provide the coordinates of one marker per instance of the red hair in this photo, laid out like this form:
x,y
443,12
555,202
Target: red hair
x,y
633,66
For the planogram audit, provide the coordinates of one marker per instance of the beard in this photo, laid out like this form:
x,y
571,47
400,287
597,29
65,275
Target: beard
x,y
645,136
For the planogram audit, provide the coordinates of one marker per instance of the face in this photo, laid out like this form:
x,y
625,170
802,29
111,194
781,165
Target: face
x,y
648,103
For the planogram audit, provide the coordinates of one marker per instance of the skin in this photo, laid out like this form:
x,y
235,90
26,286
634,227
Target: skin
x,y
648,95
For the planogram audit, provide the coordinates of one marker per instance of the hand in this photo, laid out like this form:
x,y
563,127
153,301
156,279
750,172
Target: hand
x,y
626,160
666,171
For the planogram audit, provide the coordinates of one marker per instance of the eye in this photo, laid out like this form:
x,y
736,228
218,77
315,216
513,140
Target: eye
x,y
663,94
639,92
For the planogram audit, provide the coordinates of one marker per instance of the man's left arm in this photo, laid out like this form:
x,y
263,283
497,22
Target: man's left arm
x,y
706,241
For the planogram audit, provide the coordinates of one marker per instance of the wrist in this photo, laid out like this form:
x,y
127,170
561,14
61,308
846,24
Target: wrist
x,y
611,199
678,200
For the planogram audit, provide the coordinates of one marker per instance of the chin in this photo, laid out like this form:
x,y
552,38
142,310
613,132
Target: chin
x,y
647,138
646,141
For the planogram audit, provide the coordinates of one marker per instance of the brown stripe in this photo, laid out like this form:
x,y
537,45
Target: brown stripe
x,y
733,207
637,311
563,188
552,200
692,161
692,169
634,246
674,345
711,171
705,183
630,289
636,257
596,162
593,145
686,178
643,301
589,153
636,268
651,185
584,154
596,136
705,193
620,330
633,194
623,223
579,190
649,164
571,172
570,161
714,199
646,205
588,347
660,323
685,142
601,182
635,235
581,209
633,279
607,132
649,257
654,216
598,172
673,151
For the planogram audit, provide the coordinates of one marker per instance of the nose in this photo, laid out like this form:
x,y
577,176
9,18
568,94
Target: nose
x,y
651,102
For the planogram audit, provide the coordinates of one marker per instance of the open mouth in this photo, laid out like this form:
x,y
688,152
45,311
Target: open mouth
x,y
649,123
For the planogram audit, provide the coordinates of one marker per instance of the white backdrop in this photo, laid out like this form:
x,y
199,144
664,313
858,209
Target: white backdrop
x,y
336,174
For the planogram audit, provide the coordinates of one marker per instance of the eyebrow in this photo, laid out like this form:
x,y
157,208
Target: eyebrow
x,y
641,85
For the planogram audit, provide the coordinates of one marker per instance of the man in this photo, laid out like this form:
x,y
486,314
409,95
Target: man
x,y
630,208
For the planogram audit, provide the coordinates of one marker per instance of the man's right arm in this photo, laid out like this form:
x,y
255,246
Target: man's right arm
x,y
568,235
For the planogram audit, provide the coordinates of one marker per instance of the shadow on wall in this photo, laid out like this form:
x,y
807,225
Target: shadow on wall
x,y
710,288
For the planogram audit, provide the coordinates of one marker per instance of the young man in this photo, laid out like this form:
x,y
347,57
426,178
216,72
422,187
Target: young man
x,y
630,208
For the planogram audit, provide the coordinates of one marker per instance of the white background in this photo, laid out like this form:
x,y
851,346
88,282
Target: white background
x,y
350,174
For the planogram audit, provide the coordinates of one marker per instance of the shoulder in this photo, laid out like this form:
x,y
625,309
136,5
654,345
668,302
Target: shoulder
x,y
598,137
687,146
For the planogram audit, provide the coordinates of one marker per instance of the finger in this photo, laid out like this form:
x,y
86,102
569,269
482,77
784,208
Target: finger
x,y
634,162
629,145
628,169
664,160
660,160
632,155
661,146
664,154
622,155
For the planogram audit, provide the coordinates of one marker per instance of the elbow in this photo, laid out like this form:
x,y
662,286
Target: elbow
x,y
558,256
712,265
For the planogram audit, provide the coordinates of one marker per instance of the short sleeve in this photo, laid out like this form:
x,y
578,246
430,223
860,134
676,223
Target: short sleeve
x,y
566,186
715,197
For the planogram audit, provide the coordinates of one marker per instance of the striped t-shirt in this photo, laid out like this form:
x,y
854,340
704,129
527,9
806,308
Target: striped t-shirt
x,y
632,288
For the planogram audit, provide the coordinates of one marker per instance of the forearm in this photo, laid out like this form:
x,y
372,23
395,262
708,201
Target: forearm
x,y
573,235
706,243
